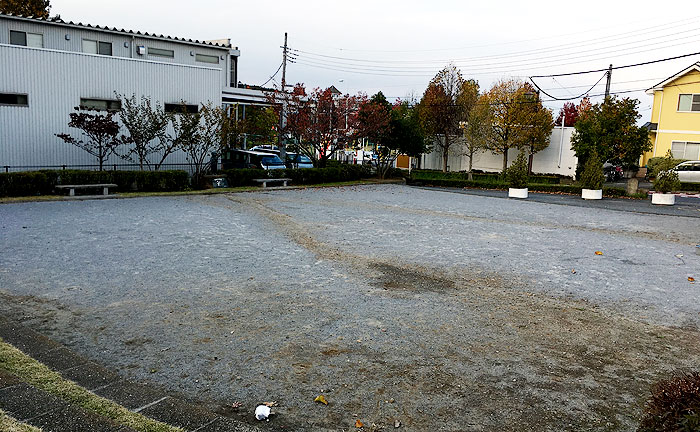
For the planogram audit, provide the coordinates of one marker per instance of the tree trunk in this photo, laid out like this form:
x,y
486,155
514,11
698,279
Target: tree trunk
x,y
445,153
469,174
530,157
505,160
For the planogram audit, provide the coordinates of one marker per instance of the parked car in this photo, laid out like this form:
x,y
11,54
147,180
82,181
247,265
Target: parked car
x,y
688,172
295,160
235,158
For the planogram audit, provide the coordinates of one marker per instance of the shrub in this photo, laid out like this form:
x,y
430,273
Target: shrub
x,y
667,181
26,183
43,182
674,405
658,164
592,176
243,176
666,178
516,174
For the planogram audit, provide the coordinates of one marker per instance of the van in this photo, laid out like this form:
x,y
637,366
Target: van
x,y
236,158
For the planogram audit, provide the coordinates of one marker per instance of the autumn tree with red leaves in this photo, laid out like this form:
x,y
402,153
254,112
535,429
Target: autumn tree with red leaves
x,y
569,112
320,121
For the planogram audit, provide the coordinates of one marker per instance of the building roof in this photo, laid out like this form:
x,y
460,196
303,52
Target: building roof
x,y
664,83
59,21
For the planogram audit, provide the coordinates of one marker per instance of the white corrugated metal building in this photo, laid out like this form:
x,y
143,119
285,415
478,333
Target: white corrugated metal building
x,y
48,67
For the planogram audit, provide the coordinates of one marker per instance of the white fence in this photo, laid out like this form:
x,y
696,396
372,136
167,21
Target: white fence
x,y
557,158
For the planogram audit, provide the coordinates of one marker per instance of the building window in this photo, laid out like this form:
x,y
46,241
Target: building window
x,y
14,99
234,71
100,104
689,102
97,47
34,40
685,150
178,108
161,52
207,58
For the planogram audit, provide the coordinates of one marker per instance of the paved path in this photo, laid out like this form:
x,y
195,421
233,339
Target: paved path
x,y
686,204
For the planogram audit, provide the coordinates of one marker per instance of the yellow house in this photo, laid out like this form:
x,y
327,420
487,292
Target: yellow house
x,y
675,117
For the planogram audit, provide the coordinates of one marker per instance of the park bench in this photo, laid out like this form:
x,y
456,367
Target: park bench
x,y
71,188
276,180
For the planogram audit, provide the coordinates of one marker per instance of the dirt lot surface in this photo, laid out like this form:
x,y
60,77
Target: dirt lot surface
x,y
436,310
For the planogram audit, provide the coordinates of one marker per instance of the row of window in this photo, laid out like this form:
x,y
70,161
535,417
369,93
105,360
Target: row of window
x,y
685,150
36,40
689,102
96,104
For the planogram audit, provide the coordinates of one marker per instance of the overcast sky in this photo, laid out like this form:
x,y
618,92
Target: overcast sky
x,y
398,46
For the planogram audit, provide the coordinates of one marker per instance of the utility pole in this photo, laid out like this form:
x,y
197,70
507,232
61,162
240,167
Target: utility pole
x,y
607,85
280,140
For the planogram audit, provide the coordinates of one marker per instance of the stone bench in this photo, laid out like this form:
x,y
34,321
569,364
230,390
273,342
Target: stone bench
x,y
277,180
71,188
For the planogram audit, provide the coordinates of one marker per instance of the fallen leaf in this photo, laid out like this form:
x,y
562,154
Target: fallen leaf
x,y
691,279
321,399
598,253
573,271
270,404
358,424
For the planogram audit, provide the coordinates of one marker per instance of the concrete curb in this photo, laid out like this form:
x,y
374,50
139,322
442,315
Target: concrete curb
x,y
38,408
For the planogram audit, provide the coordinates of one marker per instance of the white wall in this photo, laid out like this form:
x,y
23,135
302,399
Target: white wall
x,y
56,80
557,158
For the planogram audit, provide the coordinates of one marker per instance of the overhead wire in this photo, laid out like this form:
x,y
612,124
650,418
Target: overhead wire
x,y
646,28
513,66
272,76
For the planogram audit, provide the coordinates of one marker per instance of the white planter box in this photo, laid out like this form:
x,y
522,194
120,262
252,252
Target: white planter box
x,y
517,193
592,194
663,199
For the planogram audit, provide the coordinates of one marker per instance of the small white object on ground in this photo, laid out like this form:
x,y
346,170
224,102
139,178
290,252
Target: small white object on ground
x,y
262,412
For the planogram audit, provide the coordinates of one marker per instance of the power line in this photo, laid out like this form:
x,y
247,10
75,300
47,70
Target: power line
x,y
273,75
571,98
646,28
684,35
476,70
617,67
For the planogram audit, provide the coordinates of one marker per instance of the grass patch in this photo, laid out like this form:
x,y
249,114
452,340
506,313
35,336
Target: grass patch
x,y
9,424
31,371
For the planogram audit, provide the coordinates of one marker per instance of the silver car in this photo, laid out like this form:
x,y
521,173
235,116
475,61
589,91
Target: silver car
x,y
688,172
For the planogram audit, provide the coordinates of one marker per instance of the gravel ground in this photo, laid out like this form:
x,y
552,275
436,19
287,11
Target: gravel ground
x,y
441,311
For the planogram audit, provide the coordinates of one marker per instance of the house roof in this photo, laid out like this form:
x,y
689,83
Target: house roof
x,y
664,83
59,21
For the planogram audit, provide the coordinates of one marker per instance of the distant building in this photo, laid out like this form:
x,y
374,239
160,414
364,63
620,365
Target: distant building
x,y
49,66
675,117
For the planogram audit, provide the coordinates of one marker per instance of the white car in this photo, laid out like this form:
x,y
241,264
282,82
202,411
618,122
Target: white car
x,y
688,172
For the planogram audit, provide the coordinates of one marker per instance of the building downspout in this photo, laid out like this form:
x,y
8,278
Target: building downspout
x,y
561,141
658,123
131,48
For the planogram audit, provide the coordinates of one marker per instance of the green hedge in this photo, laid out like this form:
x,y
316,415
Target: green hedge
x,y
300,176
485,177
26,183
532,187
690,187
42,182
